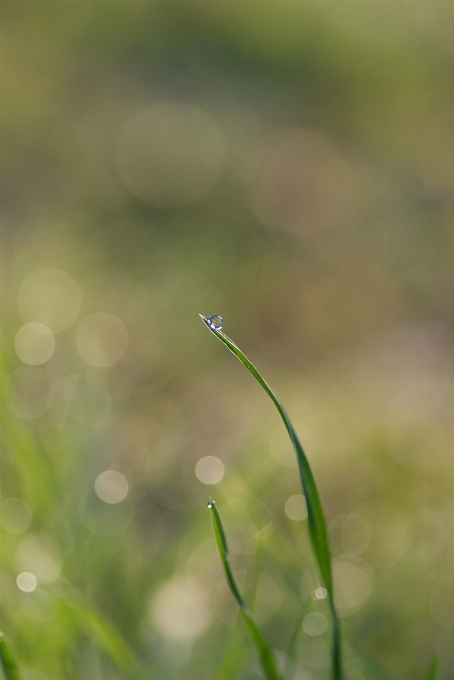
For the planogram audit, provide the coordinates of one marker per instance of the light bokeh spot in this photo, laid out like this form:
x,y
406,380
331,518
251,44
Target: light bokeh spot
x,y
111,486
171,154
34,343
49,296
320,593
15,515
296,508
27,582
27,392
101,339
180,610
352,586
315,624
209,470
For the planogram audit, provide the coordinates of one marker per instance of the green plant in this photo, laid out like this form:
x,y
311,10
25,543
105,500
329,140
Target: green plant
x,y
432,673
318,530
318,533
7,662
264,651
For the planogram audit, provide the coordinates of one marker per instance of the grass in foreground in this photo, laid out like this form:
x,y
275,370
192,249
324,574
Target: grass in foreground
x,y
263,649
7,662
318,530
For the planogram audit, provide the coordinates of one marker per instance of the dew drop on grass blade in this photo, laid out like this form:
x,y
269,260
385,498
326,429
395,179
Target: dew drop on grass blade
x,y
318,530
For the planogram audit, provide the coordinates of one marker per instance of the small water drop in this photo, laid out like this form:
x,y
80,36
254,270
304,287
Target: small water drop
x,y
211,503
215,322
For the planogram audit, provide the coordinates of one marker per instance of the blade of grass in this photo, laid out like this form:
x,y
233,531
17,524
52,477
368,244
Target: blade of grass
x,y
107,637
432,673
263,649
318,530
233,657
7,662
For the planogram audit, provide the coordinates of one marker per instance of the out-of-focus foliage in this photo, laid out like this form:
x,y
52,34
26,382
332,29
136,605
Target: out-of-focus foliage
x,y
289,166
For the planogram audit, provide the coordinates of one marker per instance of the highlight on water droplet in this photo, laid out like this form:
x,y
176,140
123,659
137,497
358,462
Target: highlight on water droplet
x,y
211,503
215,322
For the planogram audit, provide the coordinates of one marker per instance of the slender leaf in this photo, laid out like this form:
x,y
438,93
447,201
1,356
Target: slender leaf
x,y
263,649
7,662
318,530
107,637
432,673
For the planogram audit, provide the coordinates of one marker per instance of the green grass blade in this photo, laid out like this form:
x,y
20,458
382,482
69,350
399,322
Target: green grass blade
x,y
107,637
263,649
432,673
318,530
7,662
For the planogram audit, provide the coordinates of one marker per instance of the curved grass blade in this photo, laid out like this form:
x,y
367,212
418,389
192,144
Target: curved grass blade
x,y
432,673
263,649
7,662
106,636
318,530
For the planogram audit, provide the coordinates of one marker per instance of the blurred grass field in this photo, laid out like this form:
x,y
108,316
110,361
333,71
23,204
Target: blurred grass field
x,y
288,166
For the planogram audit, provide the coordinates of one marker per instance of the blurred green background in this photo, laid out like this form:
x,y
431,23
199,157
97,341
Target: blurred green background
x,y
288,165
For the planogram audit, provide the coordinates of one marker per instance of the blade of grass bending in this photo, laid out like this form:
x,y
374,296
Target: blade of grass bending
x,y
432,673
264,650
318,530
7,662
107,637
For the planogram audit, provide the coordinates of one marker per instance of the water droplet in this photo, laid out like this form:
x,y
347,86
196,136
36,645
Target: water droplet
x,y
211,503
214,322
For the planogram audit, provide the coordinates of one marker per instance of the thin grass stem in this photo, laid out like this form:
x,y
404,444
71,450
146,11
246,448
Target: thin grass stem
x,y
7,662
434,668
264,651
318,530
